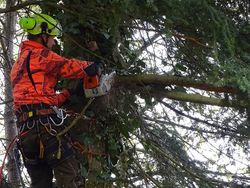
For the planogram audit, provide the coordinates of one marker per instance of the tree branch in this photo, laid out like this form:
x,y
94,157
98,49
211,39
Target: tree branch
x,y
19,6
35,2
196,98
166,80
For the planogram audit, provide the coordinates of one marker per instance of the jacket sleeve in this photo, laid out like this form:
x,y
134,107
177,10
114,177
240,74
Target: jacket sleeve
x,y
62,97
69,68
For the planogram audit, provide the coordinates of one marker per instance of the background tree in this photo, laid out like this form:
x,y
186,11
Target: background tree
x,y
178,114
8,32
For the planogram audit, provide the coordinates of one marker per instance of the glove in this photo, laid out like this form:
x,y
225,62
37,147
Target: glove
x,y
93,69
77,89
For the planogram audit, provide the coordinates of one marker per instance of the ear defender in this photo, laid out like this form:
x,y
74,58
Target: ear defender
x,y
27,23
44,27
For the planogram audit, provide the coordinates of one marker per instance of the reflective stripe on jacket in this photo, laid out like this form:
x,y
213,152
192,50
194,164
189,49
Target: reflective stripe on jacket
x,y
45,68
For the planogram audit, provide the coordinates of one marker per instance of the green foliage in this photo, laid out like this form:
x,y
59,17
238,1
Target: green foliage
x,y
238,75
205,40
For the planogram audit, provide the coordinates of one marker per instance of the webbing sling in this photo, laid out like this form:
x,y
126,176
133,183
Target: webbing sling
x,y
28,70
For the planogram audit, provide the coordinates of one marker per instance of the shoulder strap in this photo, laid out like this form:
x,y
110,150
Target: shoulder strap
x,y
28,70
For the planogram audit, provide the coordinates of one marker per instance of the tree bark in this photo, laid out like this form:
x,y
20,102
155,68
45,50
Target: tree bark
x,y
9,123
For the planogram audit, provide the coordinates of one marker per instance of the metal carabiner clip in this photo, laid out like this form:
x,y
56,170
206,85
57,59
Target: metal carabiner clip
x,y
60,114
58,111
57,124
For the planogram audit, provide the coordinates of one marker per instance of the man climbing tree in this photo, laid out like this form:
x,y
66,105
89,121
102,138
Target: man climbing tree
x,y
179,116
37,105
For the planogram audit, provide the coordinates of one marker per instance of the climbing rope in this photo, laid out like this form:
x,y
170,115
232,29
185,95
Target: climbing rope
x,y
89,152
8,150
64,131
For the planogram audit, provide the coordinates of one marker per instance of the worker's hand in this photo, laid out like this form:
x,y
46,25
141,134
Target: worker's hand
x,y
93,69
92,45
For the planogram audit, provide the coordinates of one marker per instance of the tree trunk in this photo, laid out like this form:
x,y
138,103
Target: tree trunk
x,y
9,123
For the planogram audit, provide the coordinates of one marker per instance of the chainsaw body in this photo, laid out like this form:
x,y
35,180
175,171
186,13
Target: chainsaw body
x,y
95,86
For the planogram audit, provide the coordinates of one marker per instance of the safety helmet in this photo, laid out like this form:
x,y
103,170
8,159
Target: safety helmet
x,y
39,24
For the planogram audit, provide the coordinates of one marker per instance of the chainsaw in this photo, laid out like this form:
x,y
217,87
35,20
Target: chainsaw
x,y
95,86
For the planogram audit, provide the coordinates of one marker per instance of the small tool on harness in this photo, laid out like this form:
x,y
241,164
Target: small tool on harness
x,y
41,152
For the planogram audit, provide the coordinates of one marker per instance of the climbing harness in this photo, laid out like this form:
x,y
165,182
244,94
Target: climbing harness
x,y
59,132
41,116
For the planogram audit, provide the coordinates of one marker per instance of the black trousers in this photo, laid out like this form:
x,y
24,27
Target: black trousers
x,y
66,175
40,154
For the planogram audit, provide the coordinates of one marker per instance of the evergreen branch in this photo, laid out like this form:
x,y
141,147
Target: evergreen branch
x,y
190,39
36,2
146,175
214,125
158,150
180,36
20,6
199,130
208,180
238,176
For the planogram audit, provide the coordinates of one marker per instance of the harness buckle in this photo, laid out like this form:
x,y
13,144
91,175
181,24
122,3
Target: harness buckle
x,y
58,111
30,114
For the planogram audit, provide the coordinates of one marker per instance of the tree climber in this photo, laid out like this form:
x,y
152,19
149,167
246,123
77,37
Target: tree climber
x,y
37,104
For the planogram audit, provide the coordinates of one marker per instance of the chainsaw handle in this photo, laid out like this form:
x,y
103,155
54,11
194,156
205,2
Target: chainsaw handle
x,y
92,69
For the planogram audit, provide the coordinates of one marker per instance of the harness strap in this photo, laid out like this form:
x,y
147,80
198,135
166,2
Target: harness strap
x,y
28,70
24,116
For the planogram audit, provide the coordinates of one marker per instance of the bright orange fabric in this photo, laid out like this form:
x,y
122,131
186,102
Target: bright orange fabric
x,y
46,67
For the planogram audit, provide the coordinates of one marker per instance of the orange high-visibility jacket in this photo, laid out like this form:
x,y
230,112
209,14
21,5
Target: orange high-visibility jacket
x,y
45,68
